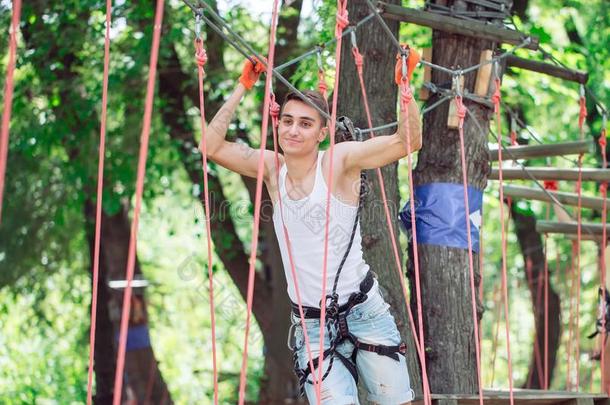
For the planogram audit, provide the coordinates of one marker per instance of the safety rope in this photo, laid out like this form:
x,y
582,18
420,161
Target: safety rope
x,y
274,112
550,186
581,119
257,202
201,58
405,98
497,96
8,95
98,208
342,21
144,137
603,188
461,113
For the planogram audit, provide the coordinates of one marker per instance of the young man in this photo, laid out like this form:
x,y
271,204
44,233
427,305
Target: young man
x,y
365,341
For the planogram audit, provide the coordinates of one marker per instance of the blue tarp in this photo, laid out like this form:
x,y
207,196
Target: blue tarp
x,y
440,215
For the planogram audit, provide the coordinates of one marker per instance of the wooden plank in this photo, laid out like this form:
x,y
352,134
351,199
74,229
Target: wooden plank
x,y
424,93
548,69
550,173
455,25
481,86
537,151
529,193
578,401
570,228
521,396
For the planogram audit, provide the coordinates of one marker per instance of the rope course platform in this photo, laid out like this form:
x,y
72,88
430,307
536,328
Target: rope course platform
x,y
571,228
521,397
551,173
544,150
456,25
595,203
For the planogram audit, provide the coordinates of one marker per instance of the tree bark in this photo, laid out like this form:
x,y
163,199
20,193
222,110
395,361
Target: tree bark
x,y
444,271
379,58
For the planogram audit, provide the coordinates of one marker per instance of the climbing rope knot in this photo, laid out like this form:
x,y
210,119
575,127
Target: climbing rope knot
x,y
406,95
359,60
342,18
274,108
583,111
201,56
461,109
497,96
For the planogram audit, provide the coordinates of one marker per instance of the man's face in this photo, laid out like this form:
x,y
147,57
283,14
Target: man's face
x,y
300,129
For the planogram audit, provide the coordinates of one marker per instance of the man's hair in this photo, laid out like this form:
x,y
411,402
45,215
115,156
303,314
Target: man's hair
x,y
315,97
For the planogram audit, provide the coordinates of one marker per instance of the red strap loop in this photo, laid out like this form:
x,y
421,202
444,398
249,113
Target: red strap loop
x,y
551,185
583,112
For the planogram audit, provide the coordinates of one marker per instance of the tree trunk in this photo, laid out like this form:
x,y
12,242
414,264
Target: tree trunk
x,y
444,271
533,252
143,380
379,58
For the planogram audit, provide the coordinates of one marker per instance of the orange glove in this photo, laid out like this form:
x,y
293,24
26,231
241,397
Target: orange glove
x,y
412,61
251,72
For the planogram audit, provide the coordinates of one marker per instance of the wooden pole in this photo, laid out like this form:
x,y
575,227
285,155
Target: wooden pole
x,y
550,173
529,193
535,151
570,228
548,69
455,25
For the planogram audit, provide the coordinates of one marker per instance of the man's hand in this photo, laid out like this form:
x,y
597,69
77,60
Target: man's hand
x,y
412,61
250,73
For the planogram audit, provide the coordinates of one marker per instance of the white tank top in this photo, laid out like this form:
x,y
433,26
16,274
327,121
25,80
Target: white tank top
x,y
305,220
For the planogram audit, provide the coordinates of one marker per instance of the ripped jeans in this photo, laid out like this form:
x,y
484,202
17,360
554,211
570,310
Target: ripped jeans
x,y
385,379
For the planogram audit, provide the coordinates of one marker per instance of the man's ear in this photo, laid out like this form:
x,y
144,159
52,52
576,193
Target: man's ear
x,y
322,134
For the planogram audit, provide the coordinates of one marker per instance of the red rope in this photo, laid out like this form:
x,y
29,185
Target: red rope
x,y
536,299
257,203
98,209
8,95
581,119
570,350
461,113
274,112
545,384
496,101
359,62
342,22
144,137
603,188
201,57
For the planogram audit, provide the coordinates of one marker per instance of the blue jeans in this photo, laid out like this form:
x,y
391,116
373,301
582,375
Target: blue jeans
x,y
385,379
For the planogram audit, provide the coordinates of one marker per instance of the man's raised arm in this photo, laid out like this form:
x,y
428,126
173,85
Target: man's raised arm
x,y
237,157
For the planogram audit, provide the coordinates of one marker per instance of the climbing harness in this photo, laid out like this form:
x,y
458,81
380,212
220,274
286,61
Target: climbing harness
x,y
336,315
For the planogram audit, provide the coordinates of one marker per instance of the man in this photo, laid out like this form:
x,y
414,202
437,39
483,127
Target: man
x,y
365,340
